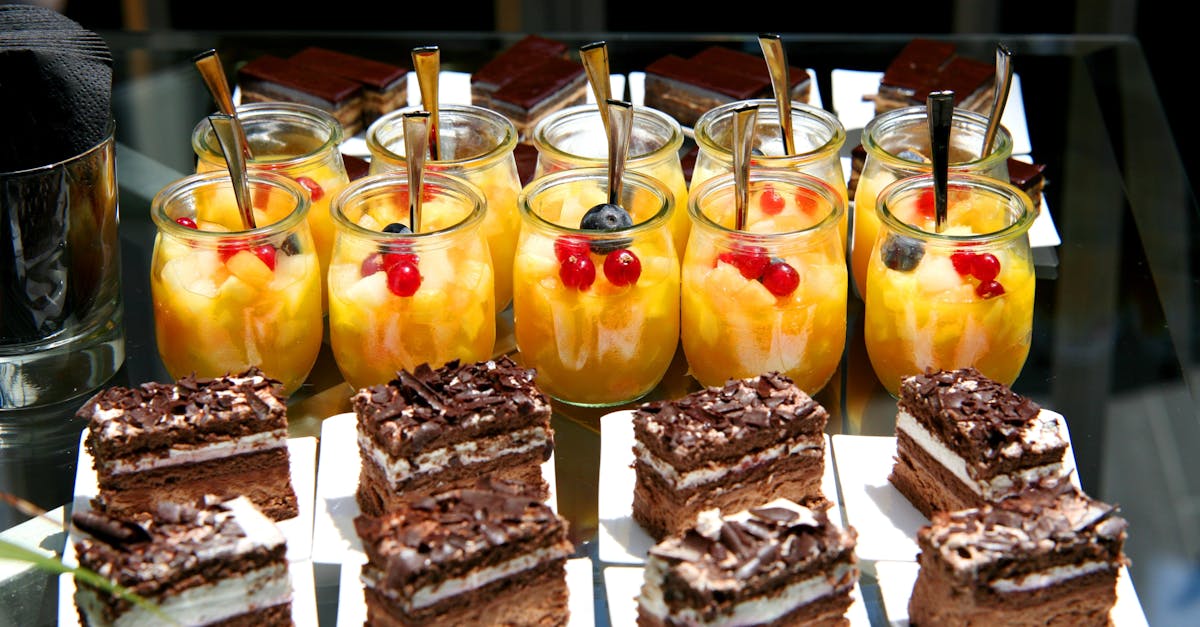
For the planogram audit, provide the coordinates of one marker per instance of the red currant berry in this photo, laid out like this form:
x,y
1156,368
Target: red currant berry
x,y
314,189
989,289
771,201
404,279
926,205
963,262
807,201
186,221
780,278
985,267
266,252
622,267
749,260
372,264
393,259
225,251
566,246
578,272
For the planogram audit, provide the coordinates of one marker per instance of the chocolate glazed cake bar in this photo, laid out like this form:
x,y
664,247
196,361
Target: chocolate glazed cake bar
x,y
782,564
963,440
207,563
384,85
179,442
1044,557
730,448
925,66
492,554
431,430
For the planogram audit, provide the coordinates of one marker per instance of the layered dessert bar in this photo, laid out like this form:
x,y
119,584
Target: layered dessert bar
x,y
491,554
781,564
385,85
552,84
430,430
686,88
730,448
512,62
964,440
205,563
925,66
270,78
1044,557
198,436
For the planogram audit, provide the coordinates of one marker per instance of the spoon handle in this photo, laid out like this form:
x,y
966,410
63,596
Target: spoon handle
x,y
621,115
777,64
417,129
744,119
940,111
427,62
595,61
208,63
229,133
1004,75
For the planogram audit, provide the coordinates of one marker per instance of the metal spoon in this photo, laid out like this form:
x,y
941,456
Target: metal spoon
x,y
417,127
1004,74
777,63
595,61
620,113
940,111
427,62
209,65
744,119
229,133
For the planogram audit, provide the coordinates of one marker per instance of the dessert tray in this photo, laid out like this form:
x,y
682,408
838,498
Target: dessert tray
x,y
352,608
334,538
621,539
887,526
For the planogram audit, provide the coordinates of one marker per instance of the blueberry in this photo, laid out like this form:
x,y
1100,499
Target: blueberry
x,y
291,245
396,227
607,218
902,254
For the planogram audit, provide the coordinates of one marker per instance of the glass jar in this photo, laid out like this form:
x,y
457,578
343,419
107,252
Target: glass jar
x,y
595,312
575,138
817,133
398,300
227,298
476,144
897,146
961,297
297,141
772,296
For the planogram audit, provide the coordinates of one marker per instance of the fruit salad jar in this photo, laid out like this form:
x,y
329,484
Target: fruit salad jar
x,y
818,136
297,141
897,146
398,299
596,312
226,298
962,297
575,138
772,296
476,144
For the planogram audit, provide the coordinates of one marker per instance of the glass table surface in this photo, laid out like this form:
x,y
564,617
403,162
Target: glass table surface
x,y
1114,346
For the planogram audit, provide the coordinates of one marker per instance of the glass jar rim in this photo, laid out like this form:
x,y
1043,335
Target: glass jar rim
x,y
762,175
1016,228
192,182
505,147
645,115
392,181
642,181
206,149
705,140
906,116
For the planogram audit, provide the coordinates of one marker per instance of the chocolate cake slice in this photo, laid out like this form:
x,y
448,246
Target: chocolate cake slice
x,y
512,62
195,437
1030,177
431,430
730,448
205,563
491,554
925,66
551,84
781,564
963,440
1044,557
270,78
385,85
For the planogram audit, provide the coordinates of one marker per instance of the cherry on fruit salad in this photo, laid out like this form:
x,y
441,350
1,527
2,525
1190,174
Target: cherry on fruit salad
x,y
749,260
771,202
315,191
186,222
265,252
622,267
403,278
780,278
989,289
566,246
577,272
